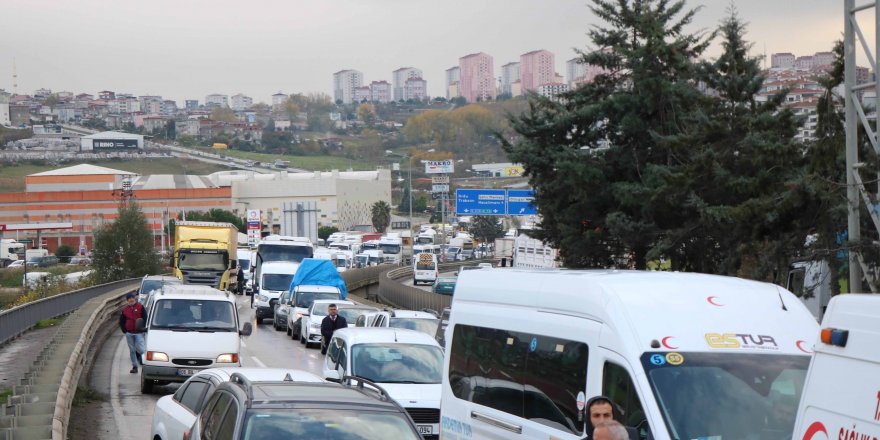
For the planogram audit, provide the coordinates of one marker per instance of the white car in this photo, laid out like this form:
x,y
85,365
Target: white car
x,y
407,364
423,321
16,264
189,328
310,331
175,414
275,279
300,302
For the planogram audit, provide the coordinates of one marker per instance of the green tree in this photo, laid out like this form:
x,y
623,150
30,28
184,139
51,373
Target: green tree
x,y
324,232
367,112
380,215
64,252
217,215
223,114
124,248
486,228
595,158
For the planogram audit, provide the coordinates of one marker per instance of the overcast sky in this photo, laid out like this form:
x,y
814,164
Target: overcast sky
x,y
190,48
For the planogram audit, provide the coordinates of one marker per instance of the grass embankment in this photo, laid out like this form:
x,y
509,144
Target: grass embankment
x,y
12,175
11,291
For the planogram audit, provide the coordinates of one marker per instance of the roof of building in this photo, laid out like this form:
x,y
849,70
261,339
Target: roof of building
x,y
172,181
82,170
113,135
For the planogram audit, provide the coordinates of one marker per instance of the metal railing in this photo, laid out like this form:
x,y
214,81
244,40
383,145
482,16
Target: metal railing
x,y
17,320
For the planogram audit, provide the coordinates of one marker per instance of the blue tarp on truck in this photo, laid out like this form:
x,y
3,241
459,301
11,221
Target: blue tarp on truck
x,y
315,272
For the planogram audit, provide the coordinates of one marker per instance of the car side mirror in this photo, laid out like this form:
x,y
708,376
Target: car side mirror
x,y
305,314
333,376
140,325
246,329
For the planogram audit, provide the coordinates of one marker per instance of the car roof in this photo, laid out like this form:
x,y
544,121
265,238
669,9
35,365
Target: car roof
x,y
332,301
280,267
357,306
413,314
264,374
316,288
265,394
166,278
194,291
368,335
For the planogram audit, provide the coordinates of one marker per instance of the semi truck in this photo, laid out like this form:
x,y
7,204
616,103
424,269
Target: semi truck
x,y
10,250
206,253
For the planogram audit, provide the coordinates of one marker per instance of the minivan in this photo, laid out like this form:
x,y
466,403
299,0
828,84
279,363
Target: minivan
x,y
682,355
425,268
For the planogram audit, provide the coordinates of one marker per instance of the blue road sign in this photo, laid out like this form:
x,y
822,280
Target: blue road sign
x,y
480,201
521,202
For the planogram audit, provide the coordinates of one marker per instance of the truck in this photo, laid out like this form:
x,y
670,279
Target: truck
x,y
811,281
391,246
206,253
504,247
426,241
281,248
531,253
10,250
281,164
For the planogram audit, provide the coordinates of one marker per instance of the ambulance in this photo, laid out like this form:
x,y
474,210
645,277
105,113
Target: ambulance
x,y
842,392
683,356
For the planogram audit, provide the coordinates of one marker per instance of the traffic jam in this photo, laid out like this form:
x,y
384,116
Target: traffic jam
x,y
521,353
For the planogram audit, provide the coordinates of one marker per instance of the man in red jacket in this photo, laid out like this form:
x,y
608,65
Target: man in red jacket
x,y
133,311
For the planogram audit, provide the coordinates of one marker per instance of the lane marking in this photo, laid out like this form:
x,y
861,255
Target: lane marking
x,y
258,362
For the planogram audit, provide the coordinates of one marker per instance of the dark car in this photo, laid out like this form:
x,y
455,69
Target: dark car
x,y
241,409
445,284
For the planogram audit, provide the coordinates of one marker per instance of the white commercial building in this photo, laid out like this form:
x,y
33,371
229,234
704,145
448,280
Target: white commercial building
x,y
399,78
344,84
343,198
241,102
5,119
278,101
111,140
217,99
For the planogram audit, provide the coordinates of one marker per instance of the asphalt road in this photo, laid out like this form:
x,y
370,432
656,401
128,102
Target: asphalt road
x,y
129,413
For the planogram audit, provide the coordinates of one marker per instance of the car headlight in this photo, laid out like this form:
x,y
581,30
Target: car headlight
x,y
298,315
263,298
316,325
157,356
228,358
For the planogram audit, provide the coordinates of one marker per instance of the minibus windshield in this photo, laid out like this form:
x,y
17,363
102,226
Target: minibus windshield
x,y
730,395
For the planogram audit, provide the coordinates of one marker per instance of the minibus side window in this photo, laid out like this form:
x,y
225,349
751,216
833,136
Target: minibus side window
x,y
533,377
618,386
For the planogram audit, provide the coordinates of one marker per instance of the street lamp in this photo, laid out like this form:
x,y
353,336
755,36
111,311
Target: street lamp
x,y
409,176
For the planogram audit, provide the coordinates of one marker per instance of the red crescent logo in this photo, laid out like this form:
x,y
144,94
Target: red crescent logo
x,y
711,300
813,429
665,342
801,348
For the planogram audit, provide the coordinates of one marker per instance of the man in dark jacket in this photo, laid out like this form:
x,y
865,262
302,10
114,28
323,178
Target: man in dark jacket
x,y
330,324
133,311
601,409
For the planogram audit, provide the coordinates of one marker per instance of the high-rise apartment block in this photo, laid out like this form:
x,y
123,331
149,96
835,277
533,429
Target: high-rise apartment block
x,y
380,91
399,77
191,104
453,78
415,89
536,68
344,84
477,73
278,101
241,102
216,100
362,94
509,76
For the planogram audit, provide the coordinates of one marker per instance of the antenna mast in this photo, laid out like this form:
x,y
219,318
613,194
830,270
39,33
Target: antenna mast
x,y
14,78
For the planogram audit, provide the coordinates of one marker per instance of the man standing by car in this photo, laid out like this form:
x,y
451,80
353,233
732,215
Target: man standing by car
x,y
330,324
133,311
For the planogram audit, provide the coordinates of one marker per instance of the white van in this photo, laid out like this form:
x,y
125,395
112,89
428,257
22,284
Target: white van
x,y
685,356
275,279
425,269
189,328
300,301
841,396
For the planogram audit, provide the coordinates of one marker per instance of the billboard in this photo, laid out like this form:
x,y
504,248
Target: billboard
x,y
254,227
514,171
114,143
439,166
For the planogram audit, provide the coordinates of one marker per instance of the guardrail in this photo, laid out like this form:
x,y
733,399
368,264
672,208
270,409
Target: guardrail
x,y
39,407
17,320
412,298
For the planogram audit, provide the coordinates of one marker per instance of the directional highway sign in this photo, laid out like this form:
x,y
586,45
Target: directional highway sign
x,y
480,202
521,202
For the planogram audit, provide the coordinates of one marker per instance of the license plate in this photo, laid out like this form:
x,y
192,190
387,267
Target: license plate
x,y
185,372
425,429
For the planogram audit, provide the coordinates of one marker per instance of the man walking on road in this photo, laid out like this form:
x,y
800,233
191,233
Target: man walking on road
x,y
133,311
330,324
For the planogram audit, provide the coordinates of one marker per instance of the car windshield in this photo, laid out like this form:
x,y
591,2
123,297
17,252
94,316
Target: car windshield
x,y
320,423
397,363
278,252
151,285
244,264
727,395
321,309
277,281
369,246
425,240
305,299
341,262
389,248
202,261
452,250
194,314
424,325
351,315
446,280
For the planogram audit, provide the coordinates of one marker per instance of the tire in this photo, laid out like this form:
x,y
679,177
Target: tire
x,y
288,331
302,340
295,332
146,385
277,327
274,325
259,321
415,283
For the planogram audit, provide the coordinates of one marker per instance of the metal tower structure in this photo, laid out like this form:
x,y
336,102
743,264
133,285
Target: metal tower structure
x,y
856,118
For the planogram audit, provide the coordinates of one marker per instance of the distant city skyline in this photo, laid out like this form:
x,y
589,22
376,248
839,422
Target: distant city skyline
x,y
187,50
